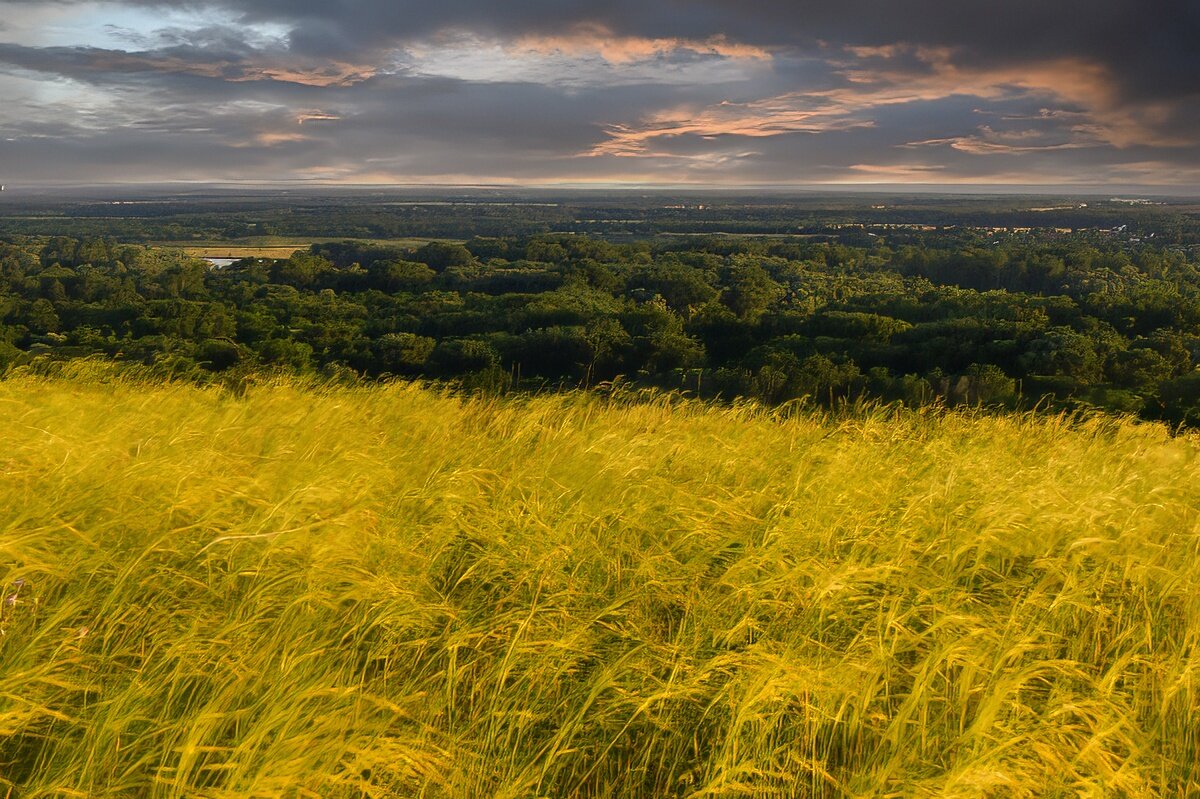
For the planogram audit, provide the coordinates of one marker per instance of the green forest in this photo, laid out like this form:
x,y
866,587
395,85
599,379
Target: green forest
x,y
1015,321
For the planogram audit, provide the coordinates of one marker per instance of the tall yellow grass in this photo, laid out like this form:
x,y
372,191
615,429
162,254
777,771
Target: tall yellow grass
x,y
393,591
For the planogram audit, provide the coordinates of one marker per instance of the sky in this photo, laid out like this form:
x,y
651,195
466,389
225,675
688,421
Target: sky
x,y
608,92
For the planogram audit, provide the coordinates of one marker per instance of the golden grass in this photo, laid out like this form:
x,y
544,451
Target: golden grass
x,y
225,251
277,246
392,591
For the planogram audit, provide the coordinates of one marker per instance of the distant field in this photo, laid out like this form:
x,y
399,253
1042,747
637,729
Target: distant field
x,y
391,591
241,252
271,247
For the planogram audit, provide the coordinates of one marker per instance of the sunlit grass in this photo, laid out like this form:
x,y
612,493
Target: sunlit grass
x,y
278,246
393,591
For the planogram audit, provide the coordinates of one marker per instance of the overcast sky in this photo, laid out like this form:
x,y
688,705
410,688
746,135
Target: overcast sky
x,y
701,92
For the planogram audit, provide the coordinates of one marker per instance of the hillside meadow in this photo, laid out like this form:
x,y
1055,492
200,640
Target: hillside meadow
x,y
394,591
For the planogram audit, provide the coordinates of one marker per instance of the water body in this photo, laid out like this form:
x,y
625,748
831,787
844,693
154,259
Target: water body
x,y
221,263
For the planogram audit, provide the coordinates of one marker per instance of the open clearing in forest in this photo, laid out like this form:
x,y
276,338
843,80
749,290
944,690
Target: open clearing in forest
x,y
275,247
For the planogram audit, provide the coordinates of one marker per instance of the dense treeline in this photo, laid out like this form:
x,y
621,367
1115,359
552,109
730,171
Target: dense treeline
x,y
384,215
1116,327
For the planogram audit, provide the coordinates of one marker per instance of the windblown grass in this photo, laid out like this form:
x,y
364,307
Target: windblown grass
x,y
392,591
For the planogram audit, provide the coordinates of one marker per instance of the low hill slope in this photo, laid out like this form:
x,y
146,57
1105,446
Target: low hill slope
x,y
391,591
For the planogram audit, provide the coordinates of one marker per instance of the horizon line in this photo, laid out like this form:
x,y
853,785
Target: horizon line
x,y
1174,191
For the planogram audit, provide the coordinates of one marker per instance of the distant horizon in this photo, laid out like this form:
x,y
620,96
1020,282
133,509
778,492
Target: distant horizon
x,y
14,189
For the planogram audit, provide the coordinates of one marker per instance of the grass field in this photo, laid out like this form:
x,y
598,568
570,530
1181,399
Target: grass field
x,y
374,592
272,246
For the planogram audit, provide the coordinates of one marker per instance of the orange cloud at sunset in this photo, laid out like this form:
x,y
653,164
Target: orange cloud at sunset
x,y
598,39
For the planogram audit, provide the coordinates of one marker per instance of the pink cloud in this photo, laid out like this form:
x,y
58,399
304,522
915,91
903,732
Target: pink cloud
x,y
598,39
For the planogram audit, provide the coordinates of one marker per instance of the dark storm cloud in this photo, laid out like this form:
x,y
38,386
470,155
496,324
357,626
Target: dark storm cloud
x,y
1149,47
668,90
